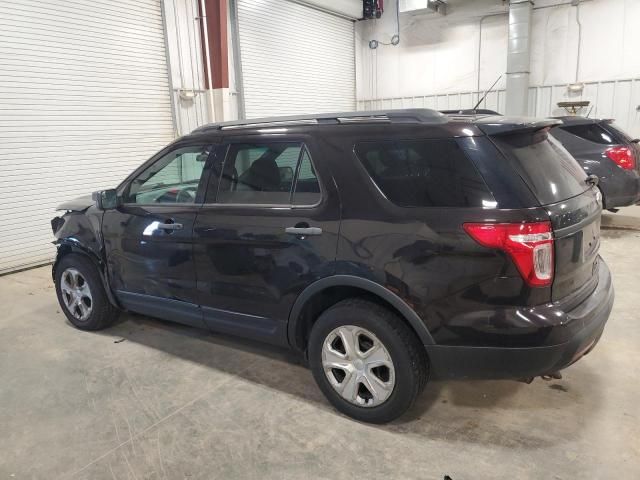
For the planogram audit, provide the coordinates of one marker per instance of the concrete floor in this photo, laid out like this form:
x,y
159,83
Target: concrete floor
x,y
150,400
627,218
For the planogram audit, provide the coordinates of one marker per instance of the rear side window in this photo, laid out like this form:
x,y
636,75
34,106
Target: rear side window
x,y
278,173
548,169
307,189
424,173
592,132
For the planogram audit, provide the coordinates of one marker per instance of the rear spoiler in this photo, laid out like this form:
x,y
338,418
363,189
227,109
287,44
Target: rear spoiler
x,y
498,125
469,111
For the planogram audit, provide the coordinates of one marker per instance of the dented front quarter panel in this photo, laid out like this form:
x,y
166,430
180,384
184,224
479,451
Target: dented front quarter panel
x,y
79,230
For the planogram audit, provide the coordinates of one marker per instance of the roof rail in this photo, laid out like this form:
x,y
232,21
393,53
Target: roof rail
x,y
411,115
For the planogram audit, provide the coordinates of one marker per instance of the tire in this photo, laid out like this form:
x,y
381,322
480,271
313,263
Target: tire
x,y
404,379
604,200
81,294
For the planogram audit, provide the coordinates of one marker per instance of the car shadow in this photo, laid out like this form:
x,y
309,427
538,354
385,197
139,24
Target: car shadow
x,y
500,412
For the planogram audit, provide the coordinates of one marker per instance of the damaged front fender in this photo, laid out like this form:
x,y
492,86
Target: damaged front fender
x,y
79,230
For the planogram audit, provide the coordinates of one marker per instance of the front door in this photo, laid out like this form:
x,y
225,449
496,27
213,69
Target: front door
x,y
149,238
268,228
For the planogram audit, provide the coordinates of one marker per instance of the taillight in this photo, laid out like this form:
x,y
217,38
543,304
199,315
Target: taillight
x,y
623,156
530,246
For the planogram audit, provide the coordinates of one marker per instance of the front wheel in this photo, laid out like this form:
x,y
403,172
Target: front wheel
x,y
81,294
367,361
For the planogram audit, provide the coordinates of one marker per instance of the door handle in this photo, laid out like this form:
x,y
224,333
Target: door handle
x,y
169,226
303,231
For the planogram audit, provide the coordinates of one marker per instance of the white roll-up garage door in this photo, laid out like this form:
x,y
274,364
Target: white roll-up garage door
x,y
84,99
295,59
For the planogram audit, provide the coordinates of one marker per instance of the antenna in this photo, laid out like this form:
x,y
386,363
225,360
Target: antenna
x,y
486,93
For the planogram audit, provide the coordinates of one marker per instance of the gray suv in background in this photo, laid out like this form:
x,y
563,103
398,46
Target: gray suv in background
x,y
606,151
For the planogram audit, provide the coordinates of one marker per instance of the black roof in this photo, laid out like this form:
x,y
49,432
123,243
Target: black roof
x,y
488,123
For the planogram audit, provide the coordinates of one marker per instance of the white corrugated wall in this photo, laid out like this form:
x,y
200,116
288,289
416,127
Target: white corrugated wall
x,y
619,99
84,99
295,59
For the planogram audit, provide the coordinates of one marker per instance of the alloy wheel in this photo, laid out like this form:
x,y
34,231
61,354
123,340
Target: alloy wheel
x,y
76,294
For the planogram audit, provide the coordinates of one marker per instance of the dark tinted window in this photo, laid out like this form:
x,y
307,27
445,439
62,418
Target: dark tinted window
x,y
259,173
265,173
424,173
623,137
307,189
550,171
592,132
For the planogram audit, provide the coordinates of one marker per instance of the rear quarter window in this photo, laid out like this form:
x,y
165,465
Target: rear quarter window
x,y
424,173
546,167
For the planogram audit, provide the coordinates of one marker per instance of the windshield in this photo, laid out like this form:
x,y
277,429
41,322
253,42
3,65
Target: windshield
x,y
548,169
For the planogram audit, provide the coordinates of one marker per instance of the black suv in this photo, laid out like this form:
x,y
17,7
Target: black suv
x,y
387,247
605,150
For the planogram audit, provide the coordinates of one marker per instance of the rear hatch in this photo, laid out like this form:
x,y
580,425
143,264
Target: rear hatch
x,y
573,203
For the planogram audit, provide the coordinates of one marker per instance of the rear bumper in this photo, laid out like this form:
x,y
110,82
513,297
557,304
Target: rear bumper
x,y
583,324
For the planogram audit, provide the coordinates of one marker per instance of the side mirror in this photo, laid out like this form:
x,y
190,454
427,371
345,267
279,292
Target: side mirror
x,y
106,199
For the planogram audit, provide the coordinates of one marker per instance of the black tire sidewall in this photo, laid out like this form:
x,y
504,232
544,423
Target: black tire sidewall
x,y
98,296
376,320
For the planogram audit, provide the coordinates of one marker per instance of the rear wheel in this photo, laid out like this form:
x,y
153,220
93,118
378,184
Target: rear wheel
x,y
81,294
367,361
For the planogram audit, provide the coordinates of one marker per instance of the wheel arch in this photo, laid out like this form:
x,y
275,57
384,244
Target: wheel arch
x,y
326,292
68,246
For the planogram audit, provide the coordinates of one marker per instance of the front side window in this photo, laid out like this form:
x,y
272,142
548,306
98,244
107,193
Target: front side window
x,y
424,173
265,174
173,178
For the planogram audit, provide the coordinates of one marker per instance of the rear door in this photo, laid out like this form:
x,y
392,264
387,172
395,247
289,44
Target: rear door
x,y
574,206
268,229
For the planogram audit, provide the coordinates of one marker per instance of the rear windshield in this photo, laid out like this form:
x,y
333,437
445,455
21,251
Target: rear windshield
x,y
424,173
549,170
592,132
624,137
